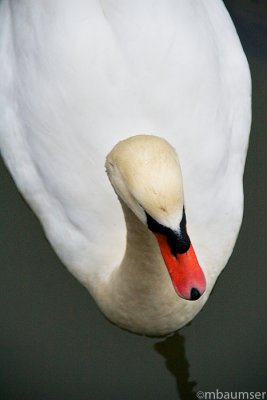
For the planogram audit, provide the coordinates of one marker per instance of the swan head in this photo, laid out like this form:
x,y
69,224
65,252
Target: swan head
x,y
145,173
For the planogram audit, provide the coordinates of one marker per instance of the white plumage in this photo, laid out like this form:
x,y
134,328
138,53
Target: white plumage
x,y
76,78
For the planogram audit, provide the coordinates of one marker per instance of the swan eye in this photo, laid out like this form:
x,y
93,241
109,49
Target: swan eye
x,y
178,240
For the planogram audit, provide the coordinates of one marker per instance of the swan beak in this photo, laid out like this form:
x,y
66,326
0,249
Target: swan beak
x,y
186,274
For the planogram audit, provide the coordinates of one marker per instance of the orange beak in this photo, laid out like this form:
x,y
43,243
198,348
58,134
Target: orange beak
x,y
186,274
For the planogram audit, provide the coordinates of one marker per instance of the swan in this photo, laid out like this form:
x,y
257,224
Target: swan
x,y
125,126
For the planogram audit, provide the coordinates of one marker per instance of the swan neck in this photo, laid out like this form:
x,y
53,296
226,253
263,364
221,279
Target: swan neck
x,y
140,281
142,251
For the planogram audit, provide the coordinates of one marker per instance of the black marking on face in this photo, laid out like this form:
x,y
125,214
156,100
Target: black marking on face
x,y
178,241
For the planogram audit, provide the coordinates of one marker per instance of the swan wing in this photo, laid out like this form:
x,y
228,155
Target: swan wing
x,y
77,78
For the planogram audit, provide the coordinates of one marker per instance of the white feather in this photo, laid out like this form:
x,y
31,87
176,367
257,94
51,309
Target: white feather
x,y
77,77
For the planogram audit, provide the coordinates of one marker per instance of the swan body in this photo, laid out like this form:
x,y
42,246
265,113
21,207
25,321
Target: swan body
x,y
77,78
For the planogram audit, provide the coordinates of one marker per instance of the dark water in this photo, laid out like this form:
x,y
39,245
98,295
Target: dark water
x,y
55,344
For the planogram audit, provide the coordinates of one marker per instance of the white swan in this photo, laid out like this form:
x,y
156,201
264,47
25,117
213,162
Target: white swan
x,y
79,77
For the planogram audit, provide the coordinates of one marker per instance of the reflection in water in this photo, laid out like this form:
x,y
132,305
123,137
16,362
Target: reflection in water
x,y
173,350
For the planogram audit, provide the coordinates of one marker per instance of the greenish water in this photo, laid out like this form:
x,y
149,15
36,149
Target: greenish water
x,y
55,344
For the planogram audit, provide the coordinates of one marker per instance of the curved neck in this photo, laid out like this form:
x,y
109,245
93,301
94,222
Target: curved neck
x,y
140,287
142,254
